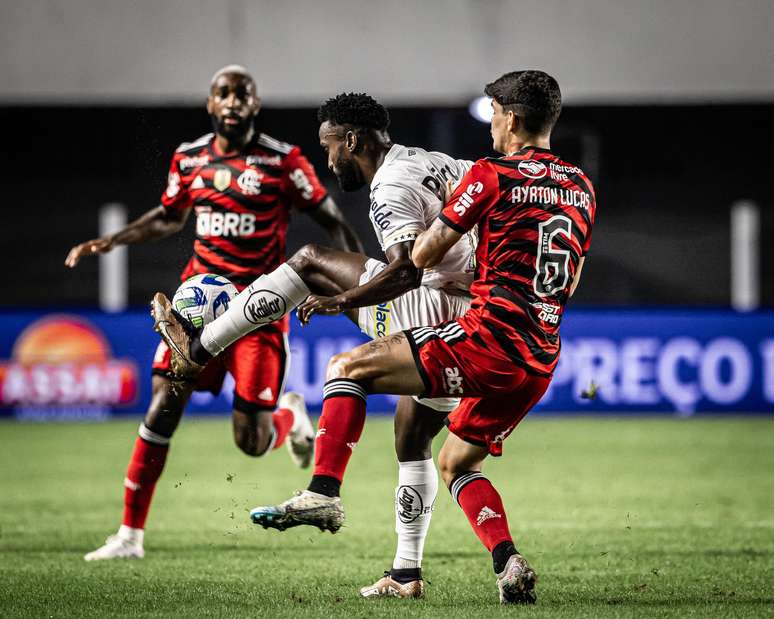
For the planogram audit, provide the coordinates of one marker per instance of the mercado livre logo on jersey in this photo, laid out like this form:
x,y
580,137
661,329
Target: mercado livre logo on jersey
x,y
532,169
61,361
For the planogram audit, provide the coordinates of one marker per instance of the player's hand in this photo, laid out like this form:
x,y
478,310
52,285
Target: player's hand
x,y
315,304
95,246
451,185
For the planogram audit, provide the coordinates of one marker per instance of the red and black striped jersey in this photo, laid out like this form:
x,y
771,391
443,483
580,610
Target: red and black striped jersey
x,y
241,202
534,214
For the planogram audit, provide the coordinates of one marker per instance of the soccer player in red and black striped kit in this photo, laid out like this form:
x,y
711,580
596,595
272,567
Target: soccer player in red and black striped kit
x,y
534,213
241,184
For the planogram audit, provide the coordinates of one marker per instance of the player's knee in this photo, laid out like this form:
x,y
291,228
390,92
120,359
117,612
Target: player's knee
x,y
305,259
341,366
254,445
350,365
253,433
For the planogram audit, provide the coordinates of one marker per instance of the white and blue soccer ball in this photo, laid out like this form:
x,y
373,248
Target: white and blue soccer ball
x,y
202,298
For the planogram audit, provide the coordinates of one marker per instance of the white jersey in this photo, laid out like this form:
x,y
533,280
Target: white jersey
x,y
407,194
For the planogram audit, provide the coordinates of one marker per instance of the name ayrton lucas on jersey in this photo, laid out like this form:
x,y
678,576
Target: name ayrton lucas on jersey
x,y
551,195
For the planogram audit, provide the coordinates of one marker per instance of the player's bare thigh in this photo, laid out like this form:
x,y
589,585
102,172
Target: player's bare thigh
x,y
328,271
385,365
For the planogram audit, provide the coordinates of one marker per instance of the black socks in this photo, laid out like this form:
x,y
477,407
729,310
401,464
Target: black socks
x,y
500,555
324,484
198,352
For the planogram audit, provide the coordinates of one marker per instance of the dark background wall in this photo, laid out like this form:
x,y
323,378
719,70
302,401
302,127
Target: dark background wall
x,y
666,177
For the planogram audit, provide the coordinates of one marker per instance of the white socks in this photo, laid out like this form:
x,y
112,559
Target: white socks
x,y
414,504
134,536
266,300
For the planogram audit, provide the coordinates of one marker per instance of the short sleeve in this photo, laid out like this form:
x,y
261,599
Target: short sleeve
x,y
301,182
396,214
477,191
176,195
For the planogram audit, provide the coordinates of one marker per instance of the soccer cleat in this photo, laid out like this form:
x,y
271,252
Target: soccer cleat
x,y
303,508
387,587
517,581
116,547
176,334
301,437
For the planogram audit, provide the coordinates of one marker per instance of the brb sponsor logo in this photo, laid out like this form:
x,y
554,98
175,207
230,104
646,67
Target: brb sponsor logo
x,y
453,380
409,504
532,169
264,306
466,197
64,363
209,223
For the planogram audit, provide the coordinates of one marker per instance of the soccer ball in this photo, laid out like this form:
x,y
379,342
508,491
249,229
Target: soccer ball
x,y
202,298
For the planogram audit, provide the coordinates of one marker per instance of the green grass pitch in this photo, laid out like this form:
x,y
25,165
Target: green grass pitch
x,y
636,517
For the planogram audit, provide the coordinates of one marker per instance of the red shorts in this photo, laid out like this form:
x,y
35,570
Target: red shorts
x,y
495,393
258,362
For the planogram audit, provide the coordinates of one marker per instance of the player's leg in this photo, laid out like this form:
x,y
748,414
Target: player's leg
x,y
264,417
385,365
266,300
415,427
145,467
477,428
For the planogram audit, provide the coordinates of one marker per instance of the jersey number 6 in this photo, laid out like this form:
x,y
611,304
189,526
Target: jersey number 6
x,y
552,264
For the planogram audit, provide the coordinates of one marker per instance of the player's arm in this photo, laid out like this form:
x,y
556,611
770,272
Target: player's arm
x,y
158,223
431,246
399,276
467,204
576,279
329,216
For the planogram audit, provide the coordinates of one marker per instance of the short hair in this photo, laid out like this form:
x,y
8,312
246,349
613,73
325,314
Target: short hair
x,y
356,109
237,69
534,95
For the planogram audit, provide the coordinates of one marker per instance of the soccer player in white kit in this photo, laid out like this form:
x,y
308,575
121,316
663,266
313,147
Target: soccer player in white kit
x,y
408,190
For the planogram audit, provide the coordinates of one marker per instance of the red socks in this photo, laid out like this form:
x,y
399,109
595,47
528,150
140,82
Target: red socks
x,y
145,466
483,507
282,419
340,427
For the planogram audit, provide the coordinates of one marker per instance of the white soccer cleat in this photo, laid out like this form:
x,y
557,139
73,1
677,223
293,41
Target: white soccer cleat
x,y
116,547
516,583
387,587
303,508
300,441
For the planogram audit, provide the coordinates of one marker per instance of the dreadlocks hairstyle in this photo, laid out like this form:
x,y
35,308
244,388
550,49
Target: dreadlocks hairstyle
x,y
356,109
533,95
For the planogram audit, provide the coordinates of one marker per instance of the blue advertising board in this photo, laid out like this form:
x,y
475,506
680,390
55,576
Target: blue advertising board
x,y
92,365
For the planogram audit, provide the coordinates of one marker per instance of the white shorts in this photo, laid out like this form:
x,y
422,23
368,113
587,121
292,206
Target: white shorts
x,y
419,307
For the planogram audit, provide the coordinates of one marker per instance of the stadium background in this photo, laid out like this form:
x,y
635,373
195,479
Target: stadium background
x,y
669,107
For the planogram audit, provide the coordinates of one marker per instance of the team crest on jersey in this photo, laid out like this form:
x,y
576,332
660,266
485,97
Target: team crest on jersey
x,y
222,179
249,182
532,169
